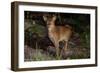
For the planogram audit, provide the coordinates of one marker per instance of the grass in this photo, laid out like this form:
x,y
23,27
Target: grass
x,y
39,56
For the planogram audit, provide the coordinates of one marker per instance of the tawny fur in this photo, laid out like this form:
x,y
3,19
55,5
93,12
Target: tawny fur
x,y
57,33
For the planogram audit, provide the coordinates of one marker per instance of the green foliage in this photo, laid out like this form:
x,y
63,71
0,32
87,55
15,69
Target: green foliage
x,y
85,37
39,29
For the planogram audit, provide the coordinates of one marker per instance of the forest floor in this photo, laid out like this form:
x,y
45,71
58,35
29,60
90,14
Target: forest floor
x,y
32,54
